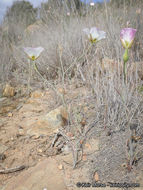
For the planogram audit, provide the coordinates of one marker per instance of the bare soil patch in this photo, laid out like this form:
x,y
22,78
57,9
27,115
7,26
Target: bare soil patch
x,y
103,153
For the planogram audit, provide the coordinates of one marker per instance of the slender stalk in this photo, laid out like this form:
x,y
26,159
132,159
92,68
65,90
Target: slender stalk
x,y
124,70
125,59
29,77
36,69
62,67
45,80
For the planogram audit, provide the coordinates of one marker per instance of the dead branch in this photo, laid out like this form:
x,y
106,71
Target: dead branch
x,y
11,170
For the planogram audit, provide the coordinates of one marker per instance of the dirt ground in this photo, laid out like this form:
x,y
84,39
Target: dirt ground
x,y
97,153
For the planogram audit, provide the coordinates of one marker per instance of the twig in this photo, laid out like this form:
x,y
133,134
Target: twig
x,y
74,150
55,139
84,136
75,147
11,170
19,107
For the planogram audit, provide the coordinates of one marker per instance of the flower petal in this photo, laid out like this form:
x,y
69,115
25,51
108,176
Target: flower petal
x,y
102,35
86,30
127,36
38,51
94,34
33,53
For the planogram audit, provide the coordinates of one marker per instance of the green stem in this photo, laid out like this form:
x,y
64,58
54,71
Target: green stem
x,y
125,59
29,78
45,80
124,70
63,78
62,69
36,69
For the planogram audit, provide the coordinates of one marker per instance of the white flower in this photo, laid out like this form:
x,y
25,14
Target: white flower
x,y
92,4
33,53
94,34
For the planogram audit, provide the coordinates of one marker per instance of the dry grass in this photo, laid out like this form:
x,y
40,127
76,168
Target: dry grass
x,y
63,40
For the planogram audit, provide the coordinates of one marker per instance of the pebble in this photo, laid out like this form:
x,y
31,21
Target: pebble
x,y
10,114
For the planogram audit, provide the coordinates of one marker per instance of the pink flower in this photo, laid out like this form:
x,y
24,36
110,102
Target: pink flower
x,y
127,36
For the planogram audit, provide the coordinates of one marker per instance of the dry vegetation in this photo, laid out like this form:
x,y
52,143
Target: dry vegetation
x,y
68,58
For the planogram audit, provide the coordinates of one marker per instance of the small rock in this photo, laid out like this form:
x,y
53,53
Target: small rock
x,y
36,94
58,117
2,157
124,165
40,150
10,114
36,136
21,132
60,167
49,123
96,176
3,148
8,91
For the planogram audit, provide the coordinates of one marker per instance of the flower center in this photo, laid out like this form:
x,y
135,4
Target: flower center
x,y
127,44
92,40
33,57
